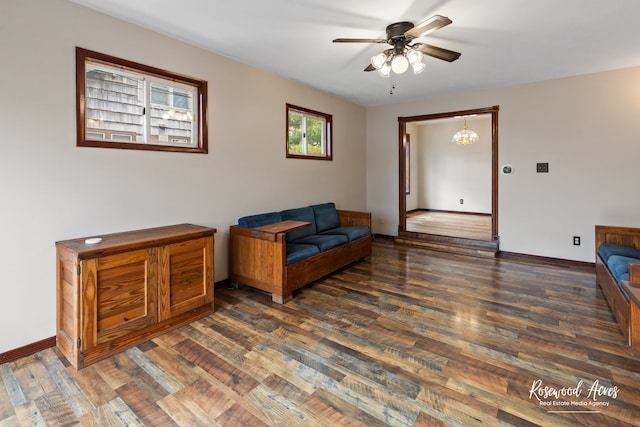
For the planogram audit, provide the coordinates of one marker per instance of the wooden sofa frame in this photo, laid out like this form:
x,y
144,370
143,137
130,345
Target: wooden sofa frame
x,y
627,313
258,258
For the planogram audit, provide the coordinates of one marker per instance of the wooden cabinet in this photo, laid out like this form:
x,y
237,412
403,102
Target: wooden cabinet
x,y
130,287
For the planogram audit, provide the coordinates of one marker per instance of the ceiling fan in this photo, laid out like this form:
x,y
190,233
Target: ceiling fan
x,y
402,54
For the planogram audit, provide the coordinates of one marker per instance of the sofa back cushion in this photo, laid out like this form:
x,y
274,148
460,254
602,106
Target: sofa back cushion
x,y
326,216
300,214
606,250
259,220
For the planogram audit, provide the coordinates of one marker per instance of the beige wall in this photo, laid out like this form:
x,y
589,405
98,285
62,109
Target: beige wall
x,y
585,127
52,190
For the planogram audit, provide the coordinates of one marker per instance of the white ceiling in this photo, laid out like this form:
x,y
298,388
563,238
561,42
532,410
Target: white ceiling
x,y
503,42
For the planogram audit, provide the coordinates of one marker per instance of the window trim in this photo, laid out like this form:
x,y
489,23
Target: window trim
x,y
328,129
200,103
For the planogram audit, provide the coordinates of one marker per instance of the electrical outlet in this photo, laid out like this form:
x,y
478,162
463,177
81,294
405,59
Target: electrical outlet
x,y
462,201
576,240
542,167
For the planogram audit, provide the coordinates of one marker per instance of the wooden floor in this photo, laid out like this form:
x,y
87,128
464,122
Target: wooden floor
x,y
409,337
467,226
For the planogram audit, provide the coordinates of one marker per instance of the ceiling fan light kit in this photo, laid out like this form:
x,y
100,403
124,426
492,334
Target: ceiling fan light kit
x,y
379,60
398,63
403,54
418,67
385,70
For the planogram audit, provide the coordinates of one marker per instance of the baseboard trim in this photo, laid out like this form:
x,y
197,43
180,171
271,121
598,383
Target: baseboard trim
x,y
560,262
27,350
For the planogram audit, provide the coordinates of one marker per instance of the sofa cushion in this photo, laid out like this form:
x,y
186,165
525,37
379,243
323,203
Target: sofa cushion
x,y
300,214
606,250
326,216
324,242
619,266
259,220
297,252
353,232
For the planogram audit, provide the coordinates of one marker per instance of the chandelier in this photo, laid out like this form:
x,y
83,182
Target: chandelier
x,y
465,136
398,61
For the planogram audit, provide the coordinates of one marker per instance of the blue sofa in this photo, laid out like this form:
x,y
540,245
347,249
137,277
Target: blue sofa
x,y
279,252
618,274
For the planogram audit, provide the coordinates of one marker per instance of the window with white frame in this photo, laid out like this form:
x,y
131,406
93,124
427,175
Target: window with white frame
x,y
308,133
122,104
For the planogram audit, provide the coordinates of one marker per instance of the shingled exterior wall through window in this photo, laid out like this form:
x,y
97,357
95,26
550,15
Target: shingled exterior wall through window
x,y
128,106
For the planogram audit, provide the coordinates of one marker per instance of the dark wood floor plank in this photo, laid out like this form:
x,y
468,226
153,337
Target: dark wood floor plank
x,y
239,416
102,416
207,397
282,409
27,414
426,420
154,371
365,396
97,390
11,386
223,371
174,364
6,408
114,371
64,382
55,410
143,405
280,365
341,414
184,412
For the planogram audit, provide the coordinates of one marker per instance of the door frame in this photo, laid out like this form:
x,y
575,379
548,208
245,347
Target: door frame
x,y
402,167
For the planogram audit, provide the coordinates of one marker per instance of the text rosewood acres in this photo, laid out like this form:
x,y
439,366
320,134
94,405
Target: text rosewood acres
x,y
543,393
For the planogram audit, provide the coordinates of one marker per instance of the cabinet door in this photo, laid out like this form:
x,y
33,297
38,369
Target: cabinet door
x,y
119,295
185,276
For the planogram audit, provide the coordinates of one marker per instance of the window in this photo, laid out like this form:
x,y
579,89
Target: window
x,y
122,104
308,134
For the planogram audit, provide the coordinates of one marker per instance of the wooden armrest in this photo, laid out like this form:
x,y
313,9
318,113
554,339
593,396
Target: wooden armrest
x,y
254,233
283,226
349,218
634,272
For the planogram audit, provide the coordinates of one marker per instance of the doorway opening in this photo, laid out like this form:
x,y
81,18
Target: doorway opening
x,y
432,219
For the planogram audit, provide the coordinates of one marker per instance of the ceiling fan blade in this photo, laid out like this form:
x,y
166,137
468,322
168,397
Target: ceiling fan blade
x,y
343,40
431,24
437,52
370,67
